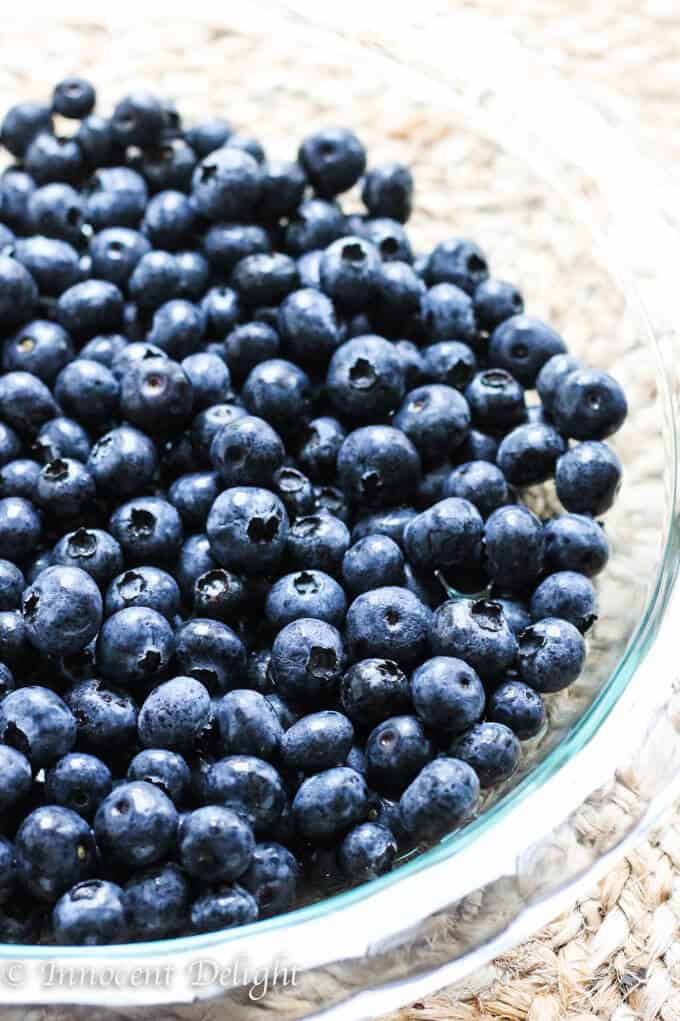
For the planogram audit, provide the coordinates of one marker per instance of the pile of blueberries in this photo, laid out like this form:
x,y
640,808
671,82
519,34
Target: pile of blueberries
x,y
272,608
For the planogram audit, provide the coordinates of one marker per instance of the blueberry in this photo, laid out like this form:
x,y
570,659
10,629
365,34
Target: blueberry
x,y
309,268
116,197
372,562
477,446
22,123
295,490
57,211
448,312
226,184
449,362
136,825
373,690
157,902
248,786
252,146
6,680
302,594
279,392
308,660
90,914
574,542
318,452
148,529
248,345
74,98
568,595
264,278
589,405
377,466
62,610
396,751
480,483
12,585
247,527
115,252
387,190
328,803
491,749
514,545
315,224
64,488
367,851
221,311
223,908
215,844
516,613
528,454
412,363
457,261
388,622
308,325
9,871
317,742
283,185
53,158
209,377
247,452
271,878
106,718
193,561
219,594
123,461
10,444
209,135
247,725
169,221
193,496
447,694
522,345
365,378
62,437
21,920
518,707
226,244
138,119
16,777
25,402
96,141
134,646
317,542
80,782
177,715
19,527
333,159
588,478
435,418
448,534
552,376
443,796
495,302
476,632
165,769
391,522
14,645
19,478
496,400
211,652
55,849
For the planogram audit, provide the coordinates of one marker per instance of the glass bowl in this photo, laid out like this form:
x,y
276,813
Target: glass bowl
x,y
506,155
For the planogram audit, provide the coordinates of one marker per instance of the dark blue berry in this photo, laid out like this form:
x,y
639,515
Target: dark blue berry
x,y
448,534
481,483
305,594
80,782
528,454
136,825
396,751
568,595
248,786
447,694
16,777
226,184
64,488
496,400
328,803
589,405
271,878
90,914
522,345
107,719
62,610
574,542
165,769
476,632
588,478
365,379
138,119
552,376
247,725
73,97
378,466
333,159
495,301
157,902
134,646
308,659
211,652
247,527
518,707
177,715
372,562
223,908
123,461
55,849
491,749
94,551
317,742
215,844
388,622
279,392
514,545
22,123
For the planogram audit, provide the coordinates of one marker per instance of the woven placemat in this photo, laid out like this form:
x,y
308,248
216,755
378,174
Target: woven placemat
x,y
615,954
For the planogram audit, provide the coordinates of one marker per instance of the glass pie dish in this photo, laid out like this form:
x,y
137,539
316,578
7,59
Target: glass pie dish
x,y
563,207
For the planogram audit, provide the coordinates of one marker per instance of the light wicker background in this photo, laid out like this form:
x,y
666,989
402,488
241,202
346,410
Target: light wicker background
x,y
615,955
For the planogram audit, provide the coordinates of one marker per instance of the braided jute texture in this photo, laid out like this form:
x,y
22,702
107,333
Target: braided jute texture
x,y
615,955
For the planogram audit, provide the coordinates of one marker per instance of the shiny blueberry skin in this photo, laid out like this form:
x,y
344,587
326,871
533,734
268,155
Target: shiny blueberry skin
x,y
148,529
138,119
80,782
193,561
476,632
14,645
221,311
295,490
314,225
9,871
250,787
318,452
247,528
373,562
496,400
52,158
491,749
447,534
280,392
271,878
219,594
74,98
169,221
177,328
305,594
90,914
62,610
529,453
209,377
12,584
588,478
247,452
516,613
55,849
208,135
568,595
156,395
317,542
480,483
368,851
226,185
328,803
522,345
123,461
41,347
317,742
450,363
134,646
193,495
25,402
177,715
514,545
575,542
157,902
248,345
365,379
22,123
518,707
106,718
387,190
136,825
283,185
308,659
247,725
115,252
444,795
448,312
64,488
396,751
377,466
388,622
552,376
19,478
215,844
90,308
333,159
447,694
210,652
477,446
223,908
10,444
165,769
551,654
62,437
116,197
15,777
264,279
589,405
373,690
309,327
457,261
435,418
348,273
390,522
495,302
